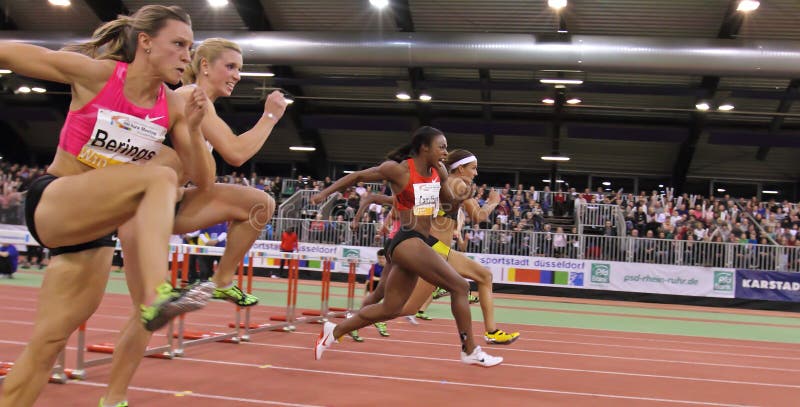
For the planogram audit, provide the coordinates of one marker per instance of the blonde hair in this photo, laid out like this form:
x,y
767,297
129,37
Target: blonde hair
x,y
118,39
209,50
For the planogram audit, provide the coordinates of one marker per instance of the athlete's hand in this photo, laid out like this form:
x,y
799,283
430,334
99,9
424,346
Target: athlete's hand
x,y
494,197
275,105
317,199
195,108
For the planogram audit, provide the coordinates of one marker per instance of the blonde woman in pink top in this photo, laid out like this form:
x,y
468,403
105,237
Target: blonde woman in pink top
x,y
110,166
215,70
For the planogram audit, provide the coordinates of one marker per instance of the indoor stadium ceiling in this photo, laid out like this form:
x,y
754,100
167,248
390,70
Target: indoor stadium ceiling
x,y
628,121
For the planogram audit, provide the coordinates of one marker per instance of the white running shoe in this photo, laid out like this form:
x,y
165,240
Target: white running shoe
x,y
325,340
481,358
412,320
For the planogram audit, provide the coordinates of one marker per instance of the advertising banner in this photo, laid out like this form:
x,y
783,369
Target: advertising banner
x,y
662,279
315,252
768,285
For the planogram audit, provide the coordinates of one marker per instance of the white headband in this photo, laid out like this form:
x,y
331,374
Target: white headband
x,y
465,160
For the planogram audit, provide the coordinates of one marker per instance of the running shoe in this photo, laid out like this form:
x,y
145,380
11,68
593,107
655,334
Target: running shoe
x,y
382,328
120,404
439,293
169,304
480,358
325,340
412,320
354,335
473,299
235,295
423,315
501,337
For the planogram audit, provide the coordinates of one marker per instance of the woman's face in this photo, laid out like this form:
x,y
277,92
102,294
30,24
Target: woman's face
x,y
436,152
169,50
468,171
223,73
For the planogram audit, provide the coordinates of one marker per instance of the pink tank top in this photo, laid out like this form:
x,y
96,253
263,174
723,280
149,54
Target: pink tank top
x,y
110,130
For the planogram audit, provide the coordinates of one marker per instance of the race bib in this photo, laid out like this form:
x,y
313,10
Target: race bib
x,y
119,138
426,199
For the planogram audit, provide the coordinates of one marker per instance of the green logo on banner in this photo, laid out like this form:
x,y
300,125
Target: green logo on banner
x,y
351,253
601,273
723,281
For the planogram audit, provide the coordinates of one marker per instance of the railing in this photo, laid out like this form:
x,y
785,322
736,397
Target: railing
x,y
634,249
596,215
299,205
529,243
374,187
326,231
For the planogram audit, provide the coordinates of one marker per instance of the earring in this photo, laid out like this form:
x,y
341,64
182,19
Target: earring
x,y
205,73
147,51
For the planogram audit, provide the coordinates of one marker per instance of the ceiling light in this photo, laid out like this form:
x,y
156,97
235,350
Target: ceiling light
x,y
64,3
217,3
23,89
721,189
549,101
288,100
573,101
606,183
348,171
661,185
402,95
560,81
554,158
557,4
608,189
748,5
302,148
559,181
38,89
702,106
425,97
546,181
725,107
379,4
257,74
562,31
4,71
769,192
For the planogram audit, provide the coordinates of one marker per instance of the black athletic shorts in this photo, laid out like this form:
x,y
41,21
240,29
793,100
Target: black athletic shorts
x,y
32,201
403,234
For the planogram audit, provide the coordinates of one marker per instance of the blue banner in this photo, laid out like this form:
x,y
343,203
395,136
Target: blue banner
x,y
768,285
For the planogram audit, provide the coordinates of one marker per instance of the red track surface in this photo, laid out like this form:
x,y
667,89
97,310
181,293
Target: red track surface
x,y
418,365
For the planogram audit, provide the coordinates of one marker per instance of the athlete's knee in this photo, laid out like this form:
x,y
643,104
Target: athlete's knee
x,y
483,276
458,286
167,157
390,311
47,343
166,175
265,209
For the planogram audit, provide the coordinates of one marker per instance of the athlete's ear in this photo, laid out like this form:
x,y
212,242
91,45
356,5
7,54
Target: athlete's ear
x,y
144,41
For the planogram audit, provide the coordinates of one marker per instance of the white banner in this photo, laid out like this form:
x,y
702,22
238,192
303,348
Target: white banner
x,y
662,279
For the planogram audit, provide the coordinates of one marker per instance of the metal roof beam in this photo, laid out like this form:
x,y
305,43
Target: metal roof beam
x,y
107,10
729,29
789,96
253,15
